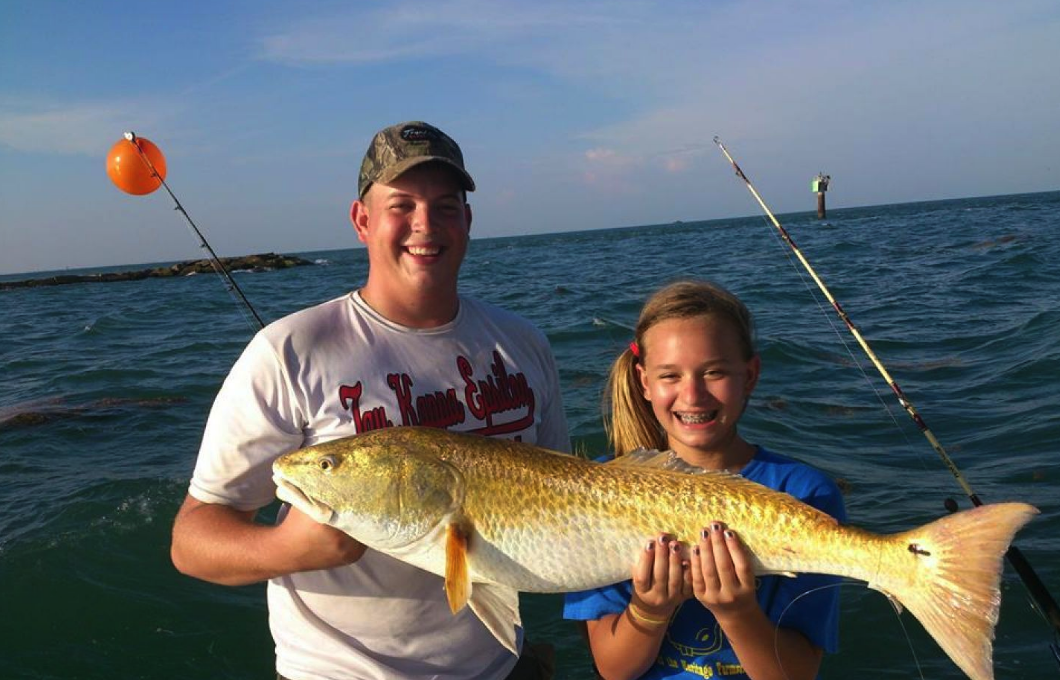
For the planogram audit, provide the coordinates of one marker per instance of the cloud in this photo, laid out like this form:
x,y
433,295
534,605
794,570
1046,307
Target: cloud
x,y
676,164
601,156
78,128
642,91
609,170
62,130
919,77
420,29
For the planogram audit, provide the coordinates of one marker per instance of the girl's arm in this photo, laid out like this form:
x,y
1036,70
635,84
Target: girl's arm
x,y
723,580
625,645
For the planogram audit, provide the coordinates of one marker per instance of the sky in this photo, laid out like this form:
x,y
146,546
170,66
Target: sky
x,y
571,115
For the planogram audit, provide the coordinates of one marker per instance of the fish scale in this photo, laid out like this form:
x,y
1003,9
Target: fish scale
x,y
497,517
623,510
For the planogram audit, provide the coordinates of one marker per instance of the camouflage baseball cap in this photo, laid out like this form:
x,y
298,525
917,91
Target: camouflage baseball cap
x,y
398,148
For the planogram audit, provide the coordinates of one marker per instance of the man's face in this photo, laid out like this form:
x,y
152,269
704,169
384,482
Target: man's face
x,y
416,231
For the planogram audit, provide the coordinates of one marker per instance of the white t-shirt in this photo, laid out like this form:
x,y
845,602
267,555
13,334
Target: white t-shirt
x,y
339,369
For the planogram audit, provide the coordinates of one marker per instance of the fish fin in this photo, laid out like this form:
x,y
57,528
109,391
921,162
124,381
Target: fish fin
x,y
655,459
669,461
947,574
497,607
457,574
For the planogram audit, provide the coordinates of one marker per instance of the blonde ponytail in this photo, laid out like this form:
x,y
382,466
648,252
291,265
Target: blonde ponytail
x,y
629,420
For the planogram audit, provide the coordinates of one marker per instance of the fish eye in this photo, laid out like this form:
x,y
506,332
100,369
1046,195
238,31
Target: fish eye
x,y
327,463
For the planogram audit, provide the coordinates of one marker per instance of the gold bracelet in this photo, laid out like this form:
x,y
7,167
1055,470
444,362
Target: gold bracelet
x,y
640,616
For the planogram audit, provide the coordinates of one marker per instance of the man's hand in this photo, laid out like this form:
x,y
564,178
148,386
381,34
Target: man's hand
x,y
312,545
220,544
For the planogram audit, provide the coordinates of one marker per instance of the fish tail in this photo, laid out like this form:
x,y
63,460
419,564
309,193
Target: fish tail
x,y
947,573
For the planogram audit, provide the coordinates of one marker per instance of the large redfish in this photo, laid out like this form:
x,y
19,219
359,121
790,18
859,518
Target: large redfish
x,y
495,517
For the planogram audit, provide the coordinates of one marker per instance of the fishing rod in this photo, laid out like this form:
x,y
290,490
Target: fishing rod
x,y
139,143
1046,604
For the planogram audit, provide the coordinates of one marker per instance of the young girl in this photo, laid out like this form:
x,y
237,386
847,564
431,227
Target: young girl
x,y
682,385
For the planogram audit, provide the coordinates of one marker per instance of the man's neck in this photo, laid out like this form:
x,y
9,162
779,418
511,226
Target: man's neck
x,y
419,311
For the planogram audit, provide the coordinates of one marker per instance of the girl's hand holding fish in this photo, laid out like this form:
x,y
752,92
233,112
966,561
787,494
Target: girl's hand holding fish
x,y
722,573
661,581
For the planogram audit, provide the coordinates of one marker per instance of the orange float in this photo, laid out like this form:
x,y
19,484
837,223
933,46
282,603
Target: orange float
x,y
128,169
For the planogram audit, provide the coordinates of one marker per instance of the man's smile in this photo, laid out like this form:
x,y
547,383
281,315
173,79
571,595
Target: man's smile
x,y
424,251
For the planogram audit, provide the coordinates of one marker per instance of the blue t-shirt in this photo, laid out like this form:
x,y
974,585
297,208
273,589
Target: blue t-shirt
x,y
694,646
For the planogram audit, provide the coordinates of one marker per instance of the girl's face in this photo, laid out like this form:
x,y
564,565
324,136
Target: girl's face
x,y
694,374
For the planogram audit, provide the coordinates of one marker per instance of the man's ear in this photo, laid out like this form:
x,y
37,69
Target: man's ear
x,y
359,218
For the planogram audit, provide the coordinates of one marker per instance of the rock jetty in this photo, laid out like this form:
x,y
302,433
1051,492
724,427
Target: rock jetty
x,y
257,263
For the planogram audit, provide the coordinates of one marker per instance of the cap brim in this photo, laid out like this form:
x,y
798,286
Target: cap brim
x,y
399,169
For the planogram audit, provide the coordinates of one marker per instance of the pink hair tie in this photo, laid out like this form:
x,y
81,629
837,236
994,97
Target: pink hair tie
x,y
633,347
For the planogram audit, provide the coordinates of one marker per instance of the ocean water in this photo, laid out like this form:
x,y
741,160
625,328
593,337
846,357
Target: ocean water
x,y
106,387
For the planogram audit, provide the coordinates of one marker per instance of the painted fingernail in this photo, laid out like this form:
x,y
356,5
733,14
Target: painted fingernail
x,y
704,533
716,526
673,547
695,550
729,533
650,546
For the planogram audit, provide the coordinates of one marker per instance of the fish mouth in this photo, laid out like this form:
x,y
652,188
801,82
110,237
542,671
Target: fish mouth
x,y
696,418
289,492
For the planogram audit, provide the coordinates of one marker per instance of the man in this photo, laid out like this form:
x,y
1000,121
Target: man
x,y
405,349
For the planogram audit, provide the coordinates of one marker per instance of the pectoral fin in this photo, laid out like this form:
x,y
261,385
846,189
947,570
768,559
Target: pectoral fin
x,y
498,608
457,575
495,605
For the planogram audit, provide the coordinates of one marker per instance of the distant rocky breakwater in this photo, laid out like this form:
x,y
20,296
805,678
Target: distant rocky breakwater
x,y
257,263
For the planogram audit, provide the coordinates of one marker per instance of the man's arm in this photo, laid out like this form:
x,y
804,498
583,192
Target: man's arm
x,y
221,544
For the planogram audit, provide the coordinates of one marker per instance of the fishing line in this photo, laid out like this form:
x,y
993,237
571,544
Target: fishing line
x,y
854,361
895,609
603,321
230,284
1047,606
